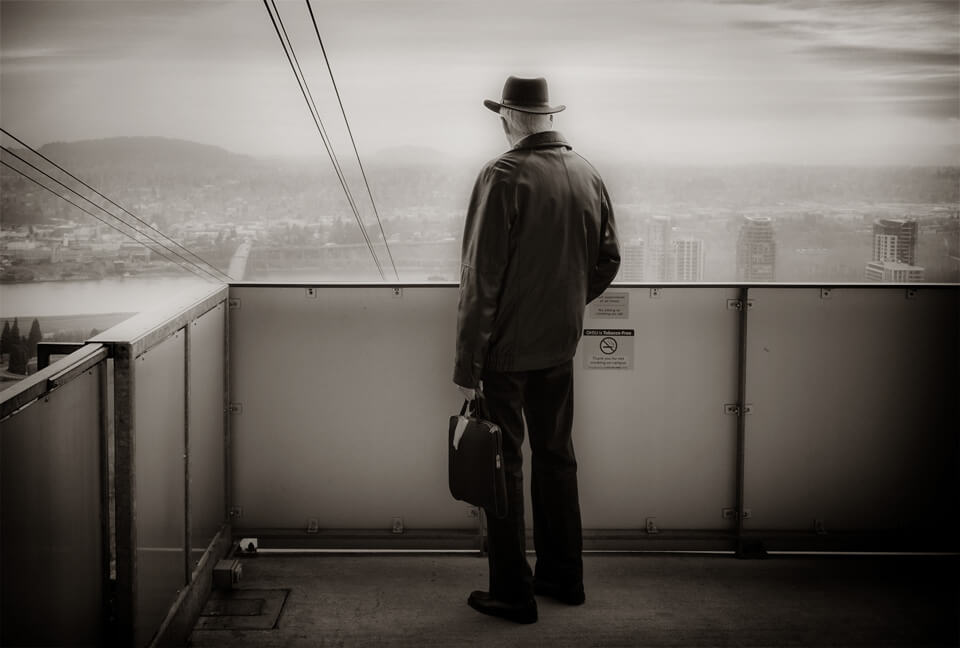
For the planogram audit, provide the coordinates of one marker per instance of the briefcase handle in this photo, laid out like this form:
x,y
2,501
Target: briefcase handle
x,y
478,411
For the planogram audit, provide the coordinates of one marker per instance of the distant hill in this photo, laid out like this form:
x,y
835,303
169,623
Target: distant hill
x,y
173,180
139,152
414,156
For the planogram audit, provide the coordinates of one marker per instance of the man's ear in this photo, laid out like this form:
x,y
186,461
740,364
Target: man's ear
x,y
506,126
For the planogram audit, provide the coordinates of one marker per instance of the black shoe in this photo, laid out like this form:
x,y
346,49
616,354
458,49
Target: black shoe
x,y
521,613
568,595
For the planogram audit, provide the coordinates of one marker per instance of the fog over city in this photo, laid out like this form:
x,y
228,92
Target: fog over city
x,y
754,141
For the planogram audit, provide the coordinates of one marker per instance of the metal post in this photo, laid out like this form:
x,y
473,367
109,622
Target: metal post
x,y
125,497
745,548
106,547
187,535
227,419
741,422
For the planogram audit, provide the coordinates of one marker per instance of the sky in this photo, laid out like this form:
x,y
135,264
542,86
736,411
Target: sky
x,y
654,82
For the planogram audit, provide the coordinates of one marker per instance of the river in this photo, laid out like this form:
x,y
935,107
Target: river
x,y
90,297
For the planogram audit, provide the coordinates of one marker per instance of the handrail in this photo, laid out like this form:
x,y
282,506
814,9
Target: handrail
x,y
614,285
62,371
149,328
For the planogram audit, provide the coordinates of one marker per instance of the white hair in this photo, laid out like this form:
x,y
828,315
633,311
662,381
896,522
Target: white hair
x,y
524,123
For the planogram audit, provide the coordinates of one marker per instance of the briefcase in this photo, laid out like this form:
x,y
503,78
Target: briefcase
x,y
476,470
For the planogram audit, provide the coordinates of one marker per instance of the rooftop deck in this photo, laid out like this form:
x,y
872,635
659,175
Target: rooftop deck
x,y
632,600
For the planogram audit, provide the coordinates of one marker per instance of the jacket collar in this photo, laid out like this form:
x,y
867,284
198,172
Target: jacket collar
x,y
540,140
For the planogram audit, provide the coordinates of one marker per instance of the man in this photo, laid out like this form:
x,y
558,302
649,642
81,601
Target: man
x,y
539,243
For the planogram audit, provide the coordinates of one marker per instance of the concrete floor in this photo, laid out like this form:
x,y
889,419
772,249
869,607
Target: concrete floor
x,y
632,600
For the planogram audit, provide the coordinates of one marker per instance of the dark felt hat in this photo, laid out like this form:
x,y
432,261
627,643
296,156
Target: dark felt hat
x,y
525,95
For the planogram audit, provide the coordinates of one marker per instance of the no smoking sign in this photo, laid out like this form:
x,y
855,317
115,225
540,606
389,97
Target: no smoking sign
x,y
607,348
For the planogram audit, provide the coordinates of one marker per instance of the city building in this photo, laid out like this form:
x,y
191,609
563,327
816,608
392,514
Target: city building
x,y
894,251
895,239
756,250
633,255
658,245
893,272
687,260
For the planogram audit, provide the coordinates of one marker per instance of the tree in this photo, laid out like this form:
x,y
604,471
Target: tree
x,y
14,335
33,338
5,338
18,360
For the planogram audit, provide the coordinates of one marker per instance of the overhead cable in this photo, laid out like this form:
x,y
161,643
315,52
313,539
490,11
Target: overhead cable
x,y
108,224
352,141
190,264
315,115
225,276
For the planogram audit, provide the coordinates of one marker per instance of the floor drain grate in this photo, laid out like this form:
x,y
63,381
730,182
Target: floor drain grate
x,y
233,607
242,609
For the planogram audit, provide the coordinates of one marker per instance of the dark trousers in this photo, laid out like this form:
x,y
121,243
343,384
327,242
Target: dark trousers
x,y
545,398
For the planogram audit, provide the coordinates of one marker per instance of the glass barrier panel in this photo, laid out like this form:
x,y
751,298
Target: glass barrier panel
x,y
206,429
854,419
159,490
51,532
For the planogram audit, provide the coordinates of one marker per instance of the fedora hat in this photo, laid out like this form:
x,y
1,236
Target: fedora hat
x,y
525,95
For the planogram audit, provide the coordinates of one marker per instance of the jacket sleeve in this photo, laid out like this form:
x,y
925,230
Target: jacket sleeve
x,y
608,260
483,266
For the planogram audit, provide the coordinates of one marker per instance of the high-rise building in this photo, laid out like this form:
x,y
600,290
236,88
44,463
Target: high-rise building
x,y
687,260
756,250
658,246
894,252
893,272
895,239
633,256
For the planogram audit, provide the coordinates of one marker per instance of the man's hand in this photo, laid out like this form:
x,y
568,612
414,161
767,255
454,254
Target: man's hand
x,y
469,393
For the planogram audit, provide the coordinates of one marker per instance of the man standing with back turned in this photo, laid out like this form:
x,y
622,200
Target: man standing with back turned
x,y
539,243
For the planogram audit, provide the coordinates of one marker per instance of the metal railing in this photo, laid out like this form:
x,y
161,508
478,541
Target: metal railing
x,y
113,480
750,417
743,418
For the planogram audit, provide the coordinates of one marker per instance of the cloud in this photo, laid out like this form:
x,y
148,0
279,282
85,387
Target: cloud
x,y
885,57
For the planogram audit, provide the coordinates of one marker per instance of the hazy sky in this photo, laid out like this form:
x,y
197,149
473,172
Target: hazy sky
x,y
675,81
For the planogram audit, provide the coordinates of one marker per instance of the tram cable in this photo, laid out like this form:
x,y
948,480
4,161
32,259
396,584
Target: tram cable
x,y
352,140
315,115
225,277
190,267
190,263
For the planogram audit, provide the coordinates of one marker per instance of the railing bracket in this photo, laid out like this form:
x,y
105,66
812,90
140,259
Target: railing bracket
x,y
731,513
735,409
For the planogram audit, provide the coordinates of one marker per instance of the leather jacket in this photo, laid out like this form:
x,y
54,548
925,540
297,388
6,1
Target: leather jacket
x,y
539,243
